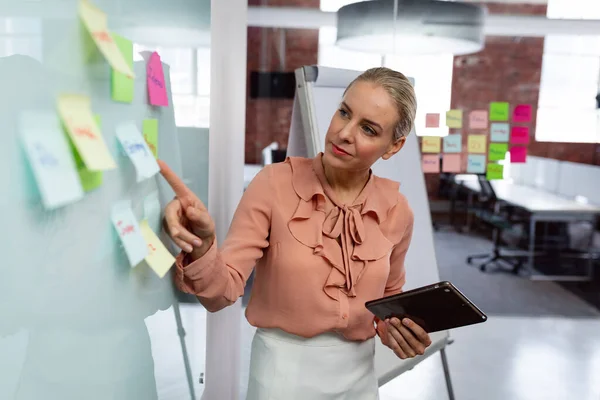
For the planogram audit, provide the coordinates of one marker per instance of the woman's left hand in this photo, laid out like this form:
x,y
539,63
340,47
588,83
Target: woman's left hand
x,y
406,338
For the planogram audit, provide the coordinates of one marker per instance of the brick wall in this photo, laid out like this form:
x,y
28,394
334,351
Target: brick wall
x,y
268,120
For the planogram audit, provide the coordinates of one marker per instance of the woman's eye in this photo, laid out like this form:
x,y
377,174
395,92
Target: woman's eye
x,y
368,130
343,112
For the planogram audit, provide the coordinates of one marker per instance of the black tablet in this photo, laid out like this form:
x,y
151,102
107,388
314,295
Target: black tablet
x,y
436,307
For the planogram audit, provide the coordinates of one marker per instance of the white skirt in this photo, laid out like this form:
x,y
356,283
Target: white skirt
x,y
327,367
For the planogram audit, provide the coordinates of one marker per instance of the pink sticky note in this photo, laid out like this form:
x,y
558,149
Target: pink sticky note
x,y
522,113
451,163
518,154
157,90
478,119
431,163
432,120
519,135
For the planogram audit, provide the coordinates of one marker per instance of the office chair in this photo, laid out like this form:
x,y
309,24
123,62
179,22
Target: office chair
x,y
499,217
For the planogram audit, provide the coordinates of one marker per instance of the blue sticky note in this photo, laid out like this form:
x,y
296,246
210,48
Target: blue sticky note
x,y
453,143
499,132
50,158
476,164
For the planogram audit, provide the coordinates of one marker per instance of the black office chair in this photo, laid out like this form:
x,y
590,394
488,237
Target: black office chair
x,y
500,217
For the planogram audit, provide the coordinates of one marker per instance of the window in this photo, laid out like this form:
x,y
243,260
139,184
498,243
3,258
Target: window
x,y
570,79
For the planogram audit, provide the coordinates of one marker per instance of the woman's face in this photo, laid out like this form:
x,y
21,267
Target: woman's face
x,y
362,129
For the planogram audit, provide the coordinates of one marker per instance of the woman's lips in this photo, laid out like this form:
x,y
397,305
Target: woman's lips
x,y
339,151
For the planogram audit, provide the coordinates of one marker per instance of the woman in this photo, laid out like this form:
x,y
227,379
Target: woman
x,y
325,235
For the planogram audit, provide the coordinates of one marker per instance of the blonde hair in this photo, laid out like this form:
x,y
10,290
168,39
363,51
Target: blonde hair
x,y
397,85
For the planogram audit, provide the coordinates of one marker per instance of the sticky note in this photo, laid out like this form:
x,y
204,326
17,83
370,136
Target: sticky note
x,y
157,90
475,164
454,118
518,154
76,114
48,153
95,22
519,135
451,163
499,132
432,120
90,180
150,132
122,85
129,232
477,144
158,258
431,163
453,143
522,113
137,150
497,151
499,111
431,144
478,119
494,171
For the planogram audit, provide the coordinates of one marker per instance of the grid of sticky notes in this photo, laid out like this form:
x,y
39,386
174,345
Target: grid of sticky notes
x,y
69,155
489,137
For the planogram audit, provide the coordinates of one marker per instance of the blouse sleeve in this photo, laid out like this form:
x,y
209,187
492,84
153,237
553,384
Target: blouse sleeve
x,y
219,277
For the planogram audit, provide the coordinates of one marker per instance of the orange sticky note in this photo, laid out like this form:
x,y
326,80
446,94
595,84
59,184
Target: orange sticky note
x,y
477,144
76,114
451,163
431,144
431,164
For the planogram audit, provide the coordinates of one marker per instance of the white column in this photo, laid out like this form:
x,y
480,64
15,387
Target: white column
x,y
226,179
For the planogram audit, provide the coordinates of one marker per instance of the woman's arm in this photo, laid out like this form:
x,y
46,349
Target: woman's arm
x,y
219,276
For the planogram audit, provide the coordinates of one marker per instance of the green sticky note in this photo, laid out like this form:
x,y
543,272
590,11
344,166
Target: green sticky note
x,y
150,132
121,85
497,151
90,180
499,111
494,171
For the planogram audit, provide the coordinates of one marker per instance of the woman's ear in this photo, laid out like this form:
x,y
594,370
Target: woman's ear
x,y
394,148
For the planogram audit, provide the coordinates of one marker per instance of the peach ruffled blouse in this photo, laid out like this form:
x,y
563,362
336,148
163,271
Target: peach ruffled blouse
x,y
317,260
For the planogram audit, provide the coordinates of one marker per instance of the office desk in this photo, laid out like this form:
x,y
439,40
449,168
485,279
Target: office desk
x,y
543,207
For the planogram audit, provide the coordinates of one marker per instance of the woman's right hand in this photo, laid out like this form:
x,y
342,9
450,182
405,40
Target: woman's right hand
x,y
186,219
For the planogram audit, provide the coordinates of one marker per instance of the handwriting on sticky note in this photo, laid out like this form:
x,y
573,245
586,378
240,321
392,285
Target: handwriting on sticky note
x,y
519,135
494,171
451,163
499,111
475,164
431,144
497,151
150,132
138,150
432,120
522,113
129,232
76,114
96,24
478,119
431,163
157,91
122,86
453,143
454,118
158,258
499,132
477,144
48,153
518,154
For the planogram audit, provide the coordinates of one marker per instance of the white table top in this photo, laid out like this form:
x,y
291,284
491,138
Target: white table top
x,y
532,199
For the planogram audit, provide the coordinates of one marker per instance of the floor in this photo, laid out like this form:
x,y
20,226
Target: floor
x,y
540,342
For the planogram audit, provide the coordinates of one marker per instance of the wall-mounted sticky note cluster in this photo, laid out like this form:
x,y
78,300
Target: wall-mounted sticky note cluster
x,y
488,138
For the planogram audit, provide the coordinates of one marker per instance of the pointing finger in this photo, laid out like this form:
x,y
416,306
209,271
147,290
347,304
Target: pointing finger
x,y
173,180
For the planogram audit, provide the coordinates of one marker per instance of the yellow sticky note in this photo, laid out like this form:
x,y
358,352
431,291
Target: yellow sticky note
x,y
477,144
123,86
95,22
431,144
454,119
158,258
76,114
90,180
150,132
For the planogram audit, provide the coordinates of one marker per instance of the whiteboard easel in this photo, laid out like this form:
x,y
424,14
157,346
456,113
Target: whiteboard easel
x,y
319,91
